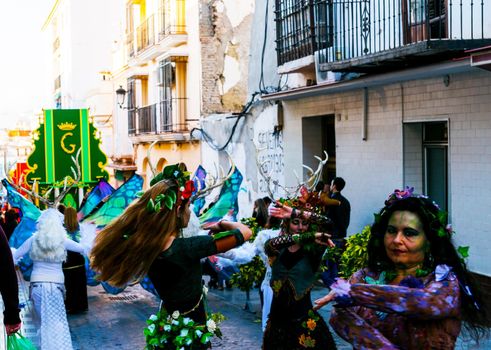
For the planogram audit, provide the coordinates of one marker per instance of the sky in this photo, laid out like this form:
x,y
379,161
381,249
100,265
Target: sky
x,y
24,88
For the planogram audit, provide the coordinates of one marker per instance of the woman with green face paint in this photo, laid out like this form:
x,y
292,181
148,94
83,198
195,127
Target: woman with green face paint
x,y
416,292
295,257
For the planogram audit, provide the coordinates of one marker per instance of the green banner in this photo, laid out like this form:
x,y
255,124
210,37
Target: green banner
x,y
62,133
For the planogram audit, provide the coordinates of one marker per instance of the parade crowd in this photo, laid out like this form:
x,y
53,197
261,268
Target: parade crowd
x,y
413,291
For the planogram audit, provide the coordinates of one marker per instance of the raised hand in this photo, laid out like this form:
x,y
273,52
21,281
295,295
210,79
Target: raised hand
x,y
279,210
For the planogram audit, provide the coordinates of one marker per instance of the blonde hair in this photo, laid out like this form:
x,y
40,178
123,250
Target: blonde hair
x,y
126,248
48,242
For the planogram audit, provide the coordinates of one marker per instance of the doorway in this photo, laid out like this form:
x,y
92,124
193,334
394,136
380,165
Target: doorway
x,y
435,146
318,135
426,159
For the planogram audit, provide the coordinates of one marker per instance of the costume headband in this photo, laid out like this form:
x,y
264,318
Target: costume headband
x,y
185,188
444,230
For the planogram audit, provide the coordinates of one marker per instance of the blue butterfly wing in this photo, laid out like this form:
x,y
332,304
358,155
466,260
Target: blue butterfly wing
x,y
227,199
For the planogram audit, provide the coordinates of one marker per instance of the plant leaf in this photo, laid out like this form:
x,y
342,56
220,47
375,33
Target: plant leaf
x,y
463,251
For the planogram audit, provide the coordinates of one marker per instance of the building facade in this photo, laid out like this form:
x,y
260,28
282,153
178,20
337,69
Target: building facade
x,y
156,64
392,94
81,36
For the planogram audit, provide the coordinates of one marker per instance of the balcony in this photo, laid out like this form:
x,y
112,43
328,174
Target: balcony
x,y
167,119
145,34
298,24
379,35
172,18
158,32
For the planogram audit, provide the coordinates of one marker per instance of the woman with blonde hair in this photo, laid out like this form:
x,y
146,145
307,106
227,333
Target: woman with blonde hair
x,y
146,239
48,249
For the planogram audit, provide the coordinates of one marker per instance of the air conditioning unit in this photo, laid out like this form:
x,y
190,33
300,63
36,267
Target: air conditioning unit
x,y
324,77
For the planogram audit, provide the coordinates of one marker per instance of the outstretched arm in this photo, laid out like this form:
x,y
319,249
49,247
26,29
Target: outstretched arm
x,y
228,235
22,250
357,331
273,245
282,211
436,300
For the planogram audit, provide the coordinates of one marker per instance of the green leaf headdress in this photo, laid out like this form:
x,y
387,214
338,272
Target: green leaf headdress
x,y
185,188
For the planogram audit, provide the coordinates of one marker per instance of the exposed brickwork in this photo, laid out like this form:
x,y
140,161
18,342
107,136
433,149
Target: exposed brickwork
x,y
219,38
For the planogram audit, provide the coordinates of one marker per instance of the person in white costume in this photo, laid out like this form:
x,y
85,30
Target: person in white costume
x,y
47,248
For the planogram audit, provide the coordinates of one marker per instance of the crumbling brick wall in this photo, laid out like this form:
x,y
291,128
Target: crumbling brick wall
x,y
220,41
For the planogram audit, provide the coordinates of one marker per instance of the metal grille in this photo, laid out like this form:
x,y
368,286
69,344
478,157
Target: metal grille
x,y
366,27
302,27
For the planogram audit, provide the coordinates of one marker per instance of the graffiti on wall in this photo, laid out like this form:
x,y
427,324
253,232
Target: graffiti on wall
x,y
270,156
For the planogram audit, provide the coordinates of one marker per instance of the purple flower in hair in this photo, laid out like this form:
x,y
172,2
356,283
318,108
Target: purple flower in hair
x,y
399,194
408,192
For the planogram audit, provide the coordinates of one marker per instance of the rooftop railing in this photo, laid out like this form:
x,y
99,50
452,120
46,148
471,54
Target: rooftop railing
x,y
362,28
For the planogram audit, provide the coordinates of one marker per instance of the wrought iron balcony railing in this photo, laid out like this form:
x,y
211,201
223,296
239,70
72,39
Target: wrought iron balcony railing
x,y
168,116
301,28
145,34
362,30
172,18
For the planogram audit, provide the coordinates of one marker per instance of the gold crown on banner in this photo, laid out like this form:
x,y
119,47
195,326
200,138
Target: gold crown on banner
x,y
66,126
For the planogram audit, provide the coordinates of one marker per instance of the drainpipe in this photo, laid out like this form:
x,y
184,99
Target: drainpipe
x,y
402,137
365,115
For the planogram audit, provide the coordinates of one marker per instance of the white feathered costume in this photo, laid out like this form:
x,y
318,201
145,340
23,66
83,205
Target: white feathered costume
x,y
244,254
47,248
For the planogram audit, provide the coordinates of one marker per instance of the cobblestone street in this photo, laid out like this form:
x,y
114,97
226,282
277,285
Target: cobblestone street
x,y
117,321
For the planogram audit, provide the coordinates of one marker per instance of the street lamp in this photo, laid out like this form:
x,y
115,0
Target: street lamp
x,y
120,95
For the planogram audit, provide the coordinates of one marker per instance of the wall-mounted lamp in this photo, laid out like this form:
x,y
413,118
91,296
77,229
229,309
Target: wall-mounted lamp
x,y
120,95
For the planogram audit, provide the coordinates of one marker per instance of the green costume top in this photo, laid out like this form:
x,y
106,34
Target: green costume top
x,y
299,269
176,273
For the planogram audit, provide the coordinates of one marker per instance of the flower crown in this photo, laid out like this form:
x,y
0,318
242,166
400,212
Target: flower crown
x,y
307,200
185,188
444,230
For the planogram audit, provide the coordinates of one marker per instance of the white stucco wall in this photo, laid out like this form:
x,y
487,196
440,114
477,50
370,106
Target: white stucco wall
x,y
373,168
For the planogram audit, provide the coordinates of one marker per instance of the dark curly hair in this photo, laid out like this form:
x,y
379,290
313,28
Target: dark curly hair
x,y
442,251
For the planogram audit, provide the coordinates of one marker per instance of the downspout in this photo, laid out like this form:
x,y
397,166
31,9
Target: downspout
x,y
402,137
365,115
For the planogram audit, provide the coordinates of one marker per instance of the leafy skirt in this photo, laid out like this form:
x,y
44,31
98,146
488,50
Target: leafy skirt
x,y
292,336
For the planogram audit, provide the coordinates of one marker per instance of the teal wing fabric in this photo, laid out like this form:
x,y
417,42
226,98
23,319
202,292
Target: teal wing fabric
x,y
227,200
117,202
26,227
17,200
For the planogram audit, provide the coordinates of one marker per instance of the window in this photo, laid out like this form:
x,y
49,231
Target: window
x,y
172,92
426,159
